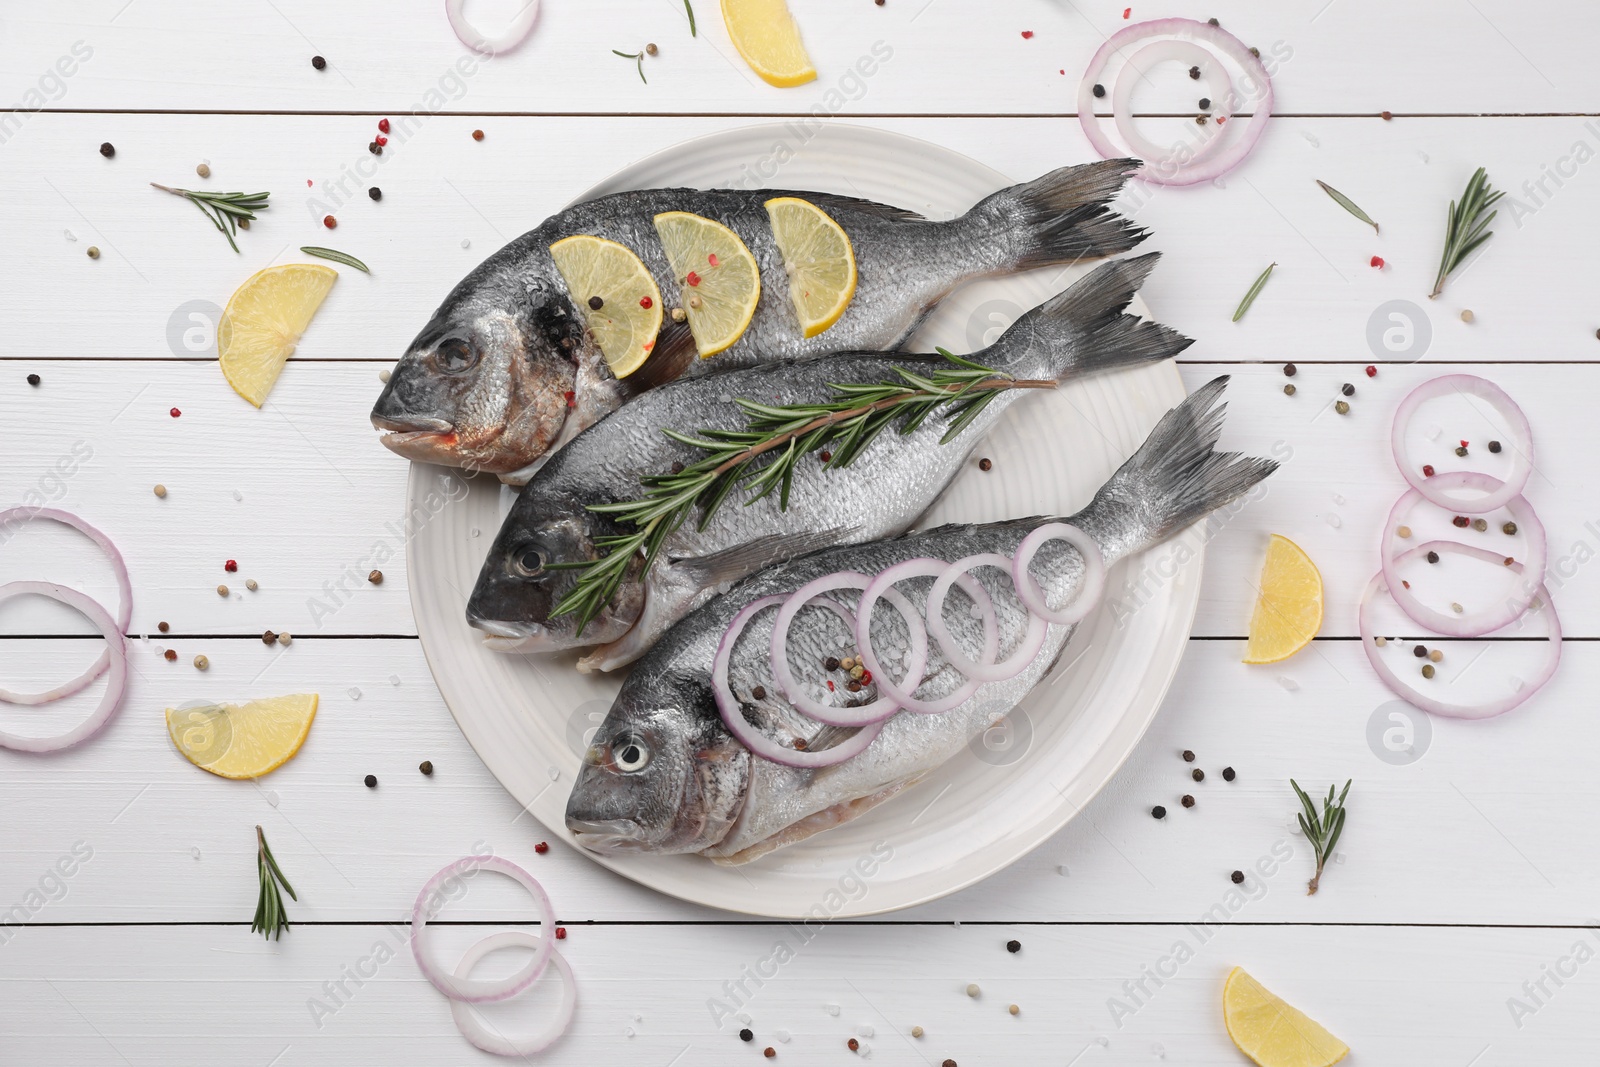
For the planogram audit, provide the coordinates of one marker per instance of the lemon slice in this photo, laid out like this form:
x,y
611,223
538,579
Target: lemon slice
x,y
720,280
765,34
1289,608
818,258
243,740
263,322
628,317
1271,1032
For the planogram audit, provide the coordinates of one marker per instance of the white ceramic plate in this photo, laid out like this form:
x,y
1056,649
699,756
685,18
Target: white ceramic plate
x,y
527,717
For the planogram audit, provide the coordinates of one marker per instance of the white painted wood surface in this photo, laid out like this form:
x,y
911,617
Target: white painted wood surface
x,y
1463,875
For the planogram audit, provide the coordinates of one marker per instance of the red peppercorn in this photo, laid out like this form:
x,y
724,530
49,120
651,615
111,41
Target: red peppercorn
x,y
231,566
383,124
1460,521
1372,372
381,140
826,456
646,302
693,278
1427,470
830,685
561,933
329,221
712,259
1377,261
769,1052
853,1045
477,135
174,413
1126,12
1221,119
1027,34
866,676
542,847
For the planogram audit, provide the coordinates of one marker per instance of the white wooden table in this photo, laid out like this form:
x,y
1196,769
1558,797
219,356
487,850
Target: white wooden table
x,y
1466,878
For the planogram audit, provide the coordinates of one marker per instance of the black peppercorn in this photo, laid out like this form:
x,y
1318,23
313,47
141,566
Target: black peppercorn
x,y
33,379
1237,876
318,62
1205,103
426,767
1289,370
1419,651
1198,775
1099,90
1433,557
1228,774
831,663
1212,22
1188,757
985,464
595,303
108,150
1188,801
759,692
746,1035
1194,73
1347,389
375,148
375,193
371,780
1494,446
1461,450
1158,812
1013,946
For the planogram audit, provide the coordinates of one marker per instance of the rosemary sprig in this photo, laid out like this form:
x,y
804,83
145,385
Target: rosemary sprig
x,y
1346,203
637,57
337,256
270,921
761,459
1321,830
1255,291
1467,226
690,9
225,210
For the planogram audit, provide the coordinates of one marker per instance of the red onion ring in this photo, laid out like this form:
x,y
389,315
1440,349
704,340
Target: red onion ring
x,y
473,1028
902,692
1187,172
747,735
1475,623
1094,579
1027,648
471,990
1517,422
514,34
1413,696
877,710
116,660
124,589
1138,65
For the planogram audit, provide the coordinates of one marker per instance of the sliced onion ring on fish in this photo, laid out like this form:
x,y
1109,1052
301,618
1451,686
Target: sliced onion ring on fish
x,y
902,691
1094,579
117,662
475,990
1418,696
1470,623
1027,648
875,711
733,713
515,33
1168,168
490,1039
1434,489
124,590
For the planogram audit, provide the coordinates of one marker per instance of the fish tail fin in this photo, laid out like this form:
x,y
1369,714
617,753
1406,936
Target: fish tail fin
x,y
1177,477
1085,329
1061,217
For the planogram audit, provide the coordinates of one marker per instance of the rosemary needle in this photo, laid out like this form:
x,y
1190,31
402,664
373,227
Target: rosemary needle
x,y
690,9
270,920
337,256
638,58
1348,204
1255,291
225,210
1321,830
1466,225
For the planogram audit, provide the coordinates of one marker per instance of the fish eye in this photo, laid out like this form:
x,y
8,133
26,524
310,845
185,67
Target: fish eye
x,y
455,355
629,754
528,563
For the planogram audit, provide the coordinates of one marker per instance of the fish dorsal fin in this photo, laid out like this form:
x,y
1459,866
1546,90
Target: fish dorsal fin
x,y
731,564
834,201
673,354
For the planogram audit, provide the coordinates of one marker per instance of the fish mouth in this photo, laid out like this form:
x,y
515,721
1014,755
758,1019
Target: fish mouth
x,y
607,835
501,636
414,433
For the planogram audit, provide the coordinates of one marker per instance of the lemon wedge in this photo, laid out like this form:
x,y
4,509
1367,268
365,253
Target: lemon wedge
x,y
263,322
765,34
617,296
1289,607
1271,1032
721,283
818,258
243,740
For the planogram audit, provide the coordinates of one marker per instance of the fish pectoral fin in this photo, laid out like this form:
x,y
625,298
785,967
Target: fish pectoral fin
x,y
731,564
673,354
818,821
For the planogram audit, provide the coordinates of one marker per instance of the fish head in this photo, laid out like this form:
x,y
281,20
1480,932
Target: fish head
x,y
532,566
661,775
488,383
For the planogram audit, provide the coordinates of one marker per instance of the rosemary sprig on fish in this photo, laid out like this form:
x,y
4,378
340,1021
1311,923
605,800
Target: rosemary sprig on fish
x,y
782,435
